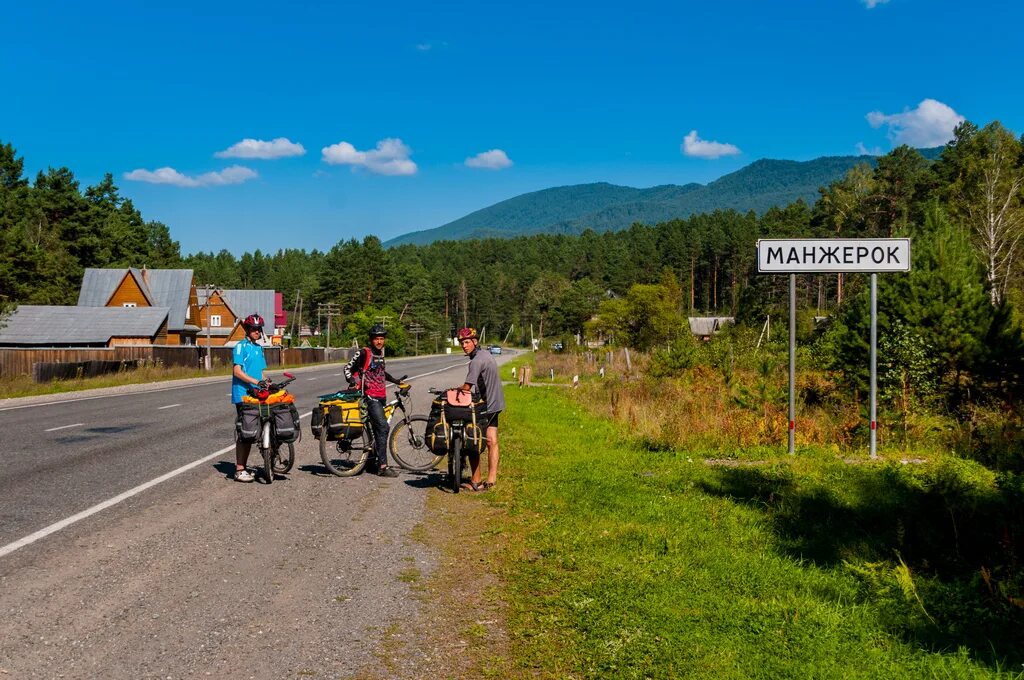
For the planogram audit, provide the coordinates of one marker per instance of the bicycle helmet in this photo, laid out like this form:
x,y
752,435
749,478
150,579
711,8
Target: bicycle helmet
x,y
378,331
467,334
252,322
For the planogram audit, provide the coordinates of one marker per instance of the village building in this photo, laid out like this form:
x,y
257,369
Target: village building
x,y
67,326
221,312
173,289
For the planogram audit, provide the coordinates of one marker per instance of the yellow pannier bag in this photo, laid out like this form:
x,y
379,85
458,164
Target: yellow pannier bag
x,y
344,418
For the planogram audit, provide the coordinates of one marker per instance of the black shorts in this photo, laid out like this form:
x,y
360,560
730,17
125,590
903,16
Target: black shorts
x,y
492,419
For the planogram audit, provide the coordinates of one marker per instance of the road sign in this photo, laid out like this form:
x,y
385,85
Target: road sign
x,y
808,255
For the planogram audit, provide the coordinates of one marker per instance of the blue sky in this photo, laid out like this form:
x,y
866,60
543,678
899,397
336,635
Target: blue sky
x,y
404,116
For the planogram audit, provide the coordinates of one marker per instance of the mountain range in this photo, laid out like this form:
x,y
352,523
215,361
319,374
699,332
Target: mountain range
x,y
608,207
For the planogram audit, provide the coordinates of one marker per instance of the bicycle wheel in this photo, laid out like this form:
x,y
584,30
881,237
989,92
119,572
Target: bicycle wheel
x,y
343,458
268,453
455,461
284,457
408,445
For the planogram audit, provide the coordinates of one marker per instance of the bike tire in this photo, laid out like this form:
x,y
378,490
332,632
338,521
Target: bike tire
x,y
408,445
283,464
456,463
343,463
268,454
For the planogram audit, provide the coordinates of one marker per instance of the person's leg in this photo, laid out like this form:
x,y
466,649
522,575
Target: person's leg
x,y
474,467
492,450
492,455
242,449
380,432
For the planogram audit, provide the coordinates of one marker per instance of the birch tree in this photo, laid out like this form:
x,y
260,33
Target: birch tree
x,y
986,186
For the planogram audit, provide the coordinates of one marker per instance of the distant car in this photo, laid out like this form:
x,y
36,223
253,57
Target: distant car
x,y
494,349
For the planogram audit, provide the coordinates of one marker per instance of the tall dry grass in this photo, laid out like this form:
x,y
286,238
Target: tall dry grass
x,y
709,412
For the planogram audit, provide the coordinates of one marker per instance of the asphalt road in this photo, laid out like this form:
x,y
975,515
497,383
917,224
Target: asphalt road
x,y
196,575
67,454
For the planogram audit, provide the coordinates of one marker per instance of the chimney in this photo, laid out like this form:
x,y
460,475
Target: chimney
x,y
145,276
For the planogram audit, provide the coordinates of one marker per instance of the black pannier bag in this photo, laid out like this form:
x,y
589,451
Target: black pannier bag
x,y
286,422
473,440
438,434
316,421
247,425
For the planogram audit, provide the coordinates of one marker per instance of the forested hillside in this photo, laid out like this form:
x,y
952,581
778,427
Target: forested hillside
x,y
554,284
606,207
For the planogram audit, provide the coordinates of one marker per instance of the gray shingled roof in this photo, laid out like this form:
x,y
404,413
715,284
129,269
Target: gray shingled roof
x,y
246,302
162,287
99,284
45,326
170,288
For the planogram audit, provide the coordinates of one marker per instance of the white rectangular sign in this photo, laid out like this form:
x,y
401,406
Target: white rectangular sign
x,y
820,255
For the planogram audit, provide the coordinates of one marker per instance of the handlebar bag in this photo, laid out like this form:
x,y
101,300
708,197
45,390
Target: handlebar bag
x,y
286,422
464,409
247,424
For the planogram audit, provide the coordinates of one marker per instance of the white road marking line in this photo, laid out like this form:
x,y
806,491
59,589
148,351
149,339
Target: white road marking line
x,y
311,379
168,406
63,427
57,526
68,521
335,375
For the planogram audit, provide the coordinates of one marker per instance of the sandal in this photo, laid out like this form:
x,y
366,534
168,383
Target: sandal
x,y
486,486
470,486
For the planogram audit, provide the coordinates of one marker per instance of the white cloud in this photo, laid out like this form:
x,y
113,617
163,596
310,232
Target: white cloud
x,y
236,174
865,151
871,4
391,157
495,159
698,148
257,148
930,124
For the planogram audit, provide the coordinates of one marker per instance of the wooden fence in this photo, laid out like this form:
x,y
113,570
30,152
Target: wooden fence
x,y
18,361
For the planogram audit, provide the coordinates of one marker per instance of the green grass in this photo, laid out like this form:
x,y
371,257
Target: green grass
x,y
632,563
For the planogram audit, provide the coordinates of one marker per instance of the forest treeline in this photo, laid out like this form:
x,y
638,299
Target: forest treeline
x,y
551,285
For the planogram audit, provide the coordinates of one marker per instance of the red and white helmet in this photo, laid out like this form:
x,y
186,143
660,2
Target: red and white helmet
x,y
252,322
467,334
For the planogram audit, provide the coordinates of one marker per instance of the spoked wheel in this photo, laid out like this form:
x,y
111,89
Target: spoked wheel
x,y
455,461
408,445
283,458
268,454
343,458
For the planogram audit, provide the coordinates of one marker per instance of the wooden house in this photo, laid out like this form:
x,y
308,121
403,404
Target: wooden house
x,y
173,289
221,315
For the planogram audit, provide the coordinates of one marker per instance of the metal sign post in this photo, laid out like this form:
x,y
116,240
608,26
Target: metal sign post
x,y
824,256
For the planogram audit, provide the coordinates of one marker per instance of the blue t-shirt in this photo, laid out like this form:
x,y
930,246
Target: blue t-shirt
x,y
249,356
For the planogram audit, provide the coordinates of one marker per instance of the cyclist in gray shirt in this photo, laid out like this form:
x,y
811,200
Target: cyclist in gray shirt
x,y
483,378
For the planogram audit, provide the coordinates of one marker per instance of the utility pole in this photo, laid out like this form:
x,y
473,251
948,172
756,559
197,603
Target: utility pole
x,y
300,319
294,308
328,309
416,329
207,362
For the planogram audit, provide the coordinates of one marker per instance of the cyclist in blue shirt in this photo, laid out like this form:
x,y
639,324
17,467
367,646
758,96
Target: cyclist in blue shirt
x,y
247,371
